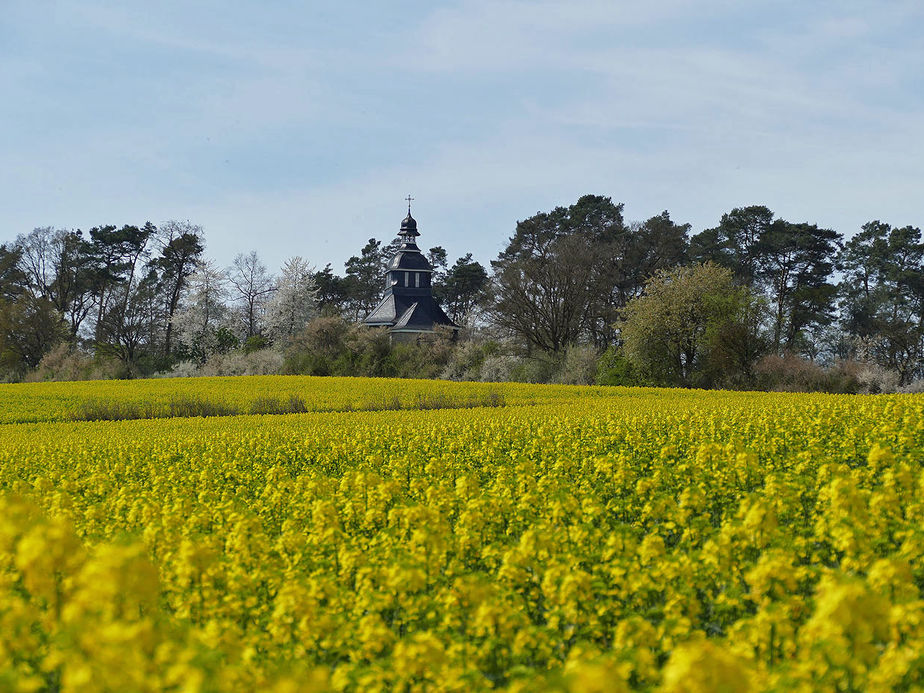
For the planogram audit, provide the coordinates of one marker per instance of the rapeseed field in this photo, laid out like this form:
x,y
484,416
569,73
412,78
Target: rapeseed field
x,y
459,537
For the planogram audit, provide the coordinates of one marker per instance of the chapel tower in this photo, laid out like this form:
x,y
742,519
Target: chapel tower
x,y
408,308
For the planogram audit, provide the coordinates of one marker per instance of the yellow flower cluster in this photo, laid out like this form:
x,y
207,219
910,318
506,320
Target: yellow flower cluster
x,y
573,540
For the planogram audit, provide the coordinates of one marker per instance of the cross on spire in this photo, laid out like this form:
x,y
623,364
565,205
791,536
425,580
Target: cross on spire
x,y
408,198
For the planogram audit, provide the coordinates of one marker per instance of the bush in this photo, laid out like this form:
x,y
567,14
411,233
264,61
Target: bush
x,y
789,373
579,366
792,373
64,362
613,368
537,369
465,362
331,346
181,369
874,379
262,362
426,358
498,368
913,388
255,342
369,353
319,349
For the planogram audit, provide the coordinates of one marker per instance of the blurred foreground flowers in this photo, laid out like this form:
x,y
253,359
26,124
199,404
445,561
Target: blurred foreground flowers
x,y
614,540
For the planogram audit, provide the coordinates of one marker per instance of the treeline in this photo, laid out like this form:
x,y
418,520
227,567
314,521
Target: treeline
x,y
578,294
133,301
755,302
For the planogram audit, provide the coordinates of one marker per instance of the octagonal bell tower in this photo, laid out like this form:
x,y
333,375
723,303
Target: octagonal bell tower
x,y
407,308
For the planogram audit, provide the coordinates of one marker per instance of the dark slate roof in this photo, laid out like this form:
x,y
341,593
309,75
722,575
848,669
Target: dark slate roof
x,y
408,312
412,317
410,260
384,313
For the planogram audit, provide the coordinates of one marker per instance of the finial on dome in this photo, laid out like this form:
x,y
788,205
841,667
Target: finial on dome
x,y
409,225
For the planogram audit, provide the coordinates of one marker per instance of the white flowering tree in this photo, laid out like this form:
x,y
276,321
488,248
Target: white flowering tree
x,y
201,324
295,301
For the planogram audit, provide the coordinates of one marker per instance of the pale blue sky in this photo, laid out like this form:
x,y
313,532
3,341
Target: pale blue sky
x,y
298,127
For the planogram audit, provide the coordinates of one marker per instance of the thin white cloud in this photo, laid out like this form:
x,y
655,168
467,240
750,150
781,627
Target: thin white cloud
x,y
499,35
511,107
182,28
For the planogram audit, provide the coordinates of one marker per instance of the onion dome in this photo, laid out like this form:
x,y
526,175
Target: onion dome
x,y
409,226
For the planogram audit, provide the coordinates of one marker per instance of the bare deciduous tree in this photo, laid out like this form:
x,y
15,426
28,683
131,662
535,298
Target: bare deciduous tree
x,y
252,287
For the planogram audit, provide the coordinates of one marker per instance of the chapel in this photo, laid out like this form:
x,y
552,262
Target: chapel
x,y
407,309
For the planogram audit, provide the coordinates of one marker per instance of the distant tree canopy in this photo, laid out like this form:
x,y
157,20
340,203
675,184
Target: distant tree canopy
x,y
565,274
882,296
115,290
569,275
667,306
691,327
363,280
29,327
461,288
295,301
790,264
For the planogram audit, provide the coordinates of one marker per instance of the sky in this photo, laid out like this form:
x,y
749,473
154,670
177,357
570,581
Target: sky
x,y
297,128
